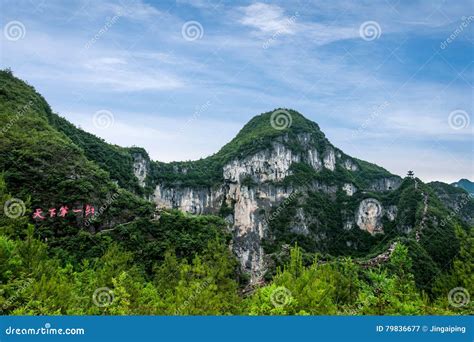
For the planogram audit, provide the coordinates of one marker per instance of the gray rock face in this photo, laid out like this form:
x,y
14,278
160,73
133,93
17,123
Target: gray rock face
x,y
330,160
270,165
391,212
348,225
140,168
195,201
459,203
350,165
349,188
300,225
386,184
369,216
314,160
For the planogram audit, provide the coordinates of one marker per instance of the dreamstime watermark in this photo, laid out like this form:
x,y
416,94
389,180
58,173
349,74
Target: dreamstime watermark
x,y
11,299
465,199
125,8
196,293
46,330
370,30
103,119
466,21
458,119
14,208
458,297
280,297
192,30
281,207
102,297
109,22
376,111
281,119
101,210
197,113
17,116
285,28
14,30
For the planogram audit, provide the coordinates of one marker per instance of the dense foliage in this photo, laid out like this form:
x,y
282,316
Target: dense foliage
x,y
33,282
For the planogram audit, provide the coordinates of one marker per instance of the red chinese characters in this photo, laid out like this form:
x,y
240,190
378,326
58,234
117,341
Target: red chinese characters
x,y
86,211
38,214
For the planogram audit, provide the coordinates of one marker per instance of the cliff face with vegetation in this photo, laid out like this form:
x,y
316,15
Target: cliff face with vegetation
x,y
266,169
265,191
280,187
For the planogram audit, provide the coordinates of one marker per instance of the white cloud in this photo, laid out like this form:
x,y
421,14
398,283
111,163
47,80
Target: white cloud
x,y
267,18
104,62
322,34
120,75
132,80
424,125
63,58
136,9
272,19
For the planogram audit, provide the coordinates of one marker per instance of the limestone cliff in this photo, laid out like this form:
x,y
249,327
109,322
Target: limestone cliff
x,y
140,168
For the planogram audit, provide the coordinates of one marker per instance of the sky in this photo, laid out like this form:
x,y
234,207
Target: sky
x,y
390,82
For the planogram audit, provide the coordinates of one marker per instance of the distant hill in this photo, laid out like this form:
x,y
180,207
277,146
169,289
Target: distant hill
x,y
465,184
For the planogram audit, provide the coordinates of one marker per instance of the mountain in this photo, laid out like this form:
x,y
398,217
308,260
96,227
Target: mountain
x,y
264,169
457,199
278,183
465,184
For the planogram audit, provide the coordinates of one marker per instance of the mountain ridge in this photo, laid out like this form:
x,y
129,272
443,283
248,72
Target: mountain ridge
x,y
465,184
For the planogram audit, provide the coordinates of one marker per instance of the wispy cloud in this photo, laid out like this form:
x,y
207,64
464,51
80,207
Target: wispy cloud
x,y
120,75
270,19
266,18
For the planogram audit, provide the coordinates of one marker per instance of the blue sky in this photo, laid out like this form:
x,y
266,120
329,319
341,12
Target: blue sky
x,y
388,81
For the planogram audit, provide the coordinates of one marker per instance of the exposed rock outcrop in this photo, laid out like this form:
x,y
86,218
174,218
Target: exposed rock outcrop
x,y
458,201
391,212
299,225
140,168
195,201
350,165
386,184
330,160
349,188
369,216
269,165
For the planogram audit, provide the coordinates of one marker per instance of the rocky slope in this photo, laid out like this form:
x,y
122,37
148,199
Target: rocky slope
x,y
457,199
